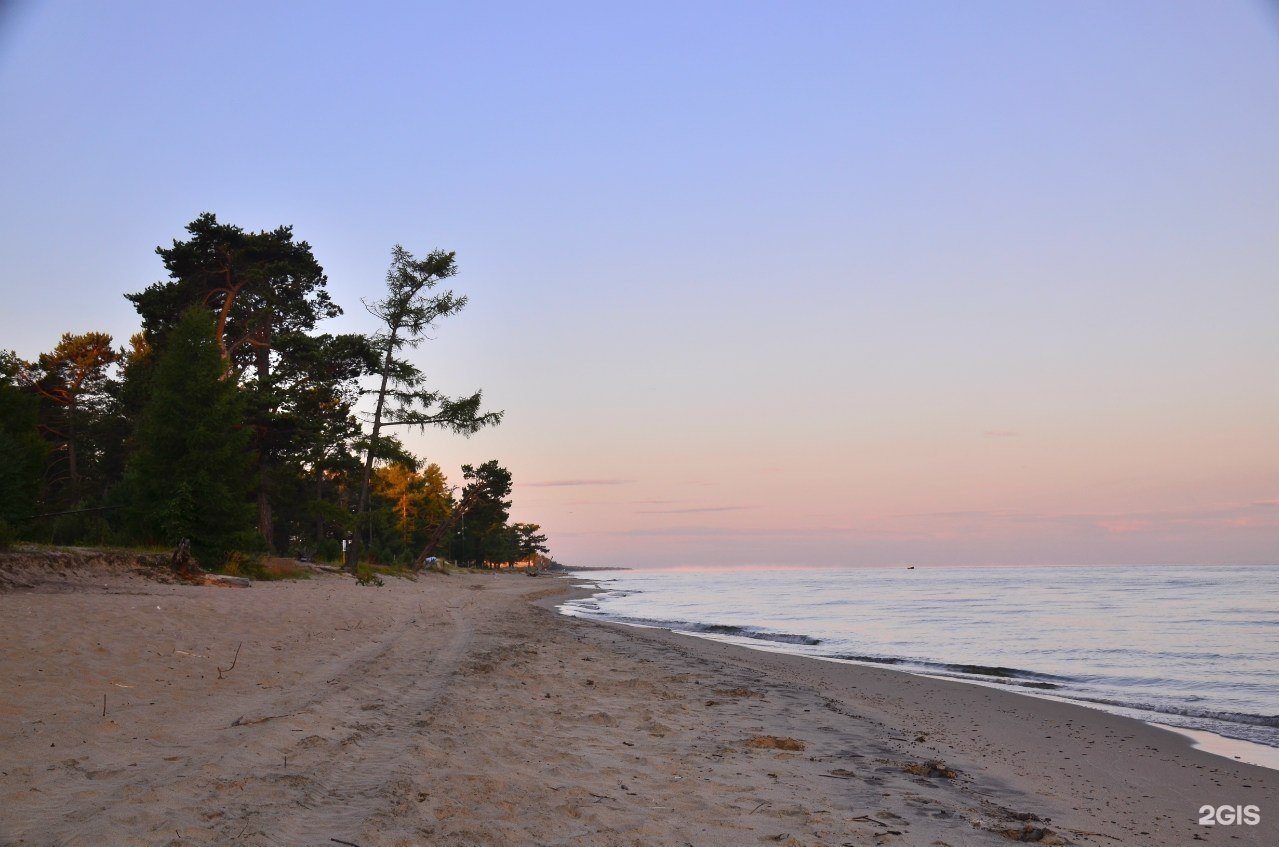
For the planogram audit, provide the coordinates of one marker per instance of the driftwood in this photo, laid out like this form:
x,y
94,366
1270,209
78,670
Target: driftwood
x,y
234,659
227,581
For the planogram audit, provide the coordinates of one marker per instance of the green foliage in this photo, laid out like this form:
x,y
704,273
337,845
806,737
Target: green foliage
x,y
530,541
407,312
21,446
189,477
483,536
229,402
267,292
365,576
257,567
328,550
77,415
263,287
406,510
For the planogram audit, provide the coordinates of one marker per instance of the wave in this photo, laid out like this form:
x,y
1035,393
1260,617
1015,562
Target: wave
x,y
1033,679
877,660
736,630
750,632
995,673
1246,718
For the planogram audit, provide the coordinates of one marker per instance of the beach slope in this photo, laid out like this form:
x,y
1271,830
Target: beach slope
x,y
461,710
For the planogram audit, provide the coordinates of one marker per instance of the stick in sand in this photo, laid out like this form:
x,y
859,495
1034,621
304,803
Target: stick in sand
x,y
234,659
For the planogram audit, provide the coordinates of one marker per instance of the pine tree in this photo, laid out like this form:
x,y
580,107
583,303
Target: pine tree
x,y
267,292
22,451
408,312
191,473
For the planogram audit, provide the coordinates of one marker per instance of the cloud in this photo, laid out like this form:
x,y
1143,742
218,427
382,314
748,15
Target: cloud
x,y
619,502
567,483
1230,515
722,532
692,510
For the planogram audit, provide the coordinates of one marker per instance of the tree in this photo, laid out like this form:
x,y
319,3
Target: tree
x,y
73,380
400,486
262,288
22,449
413,504
190,475
530,540
314,435
407,312
480,538
266,293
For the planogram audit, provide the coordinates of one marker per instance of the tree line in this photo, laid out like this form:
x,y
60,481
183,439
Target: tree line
x,y
230,419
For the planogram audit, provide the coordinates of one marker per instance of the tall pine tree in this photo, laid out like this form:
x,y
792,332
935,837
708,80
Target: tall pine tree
x,y
191,473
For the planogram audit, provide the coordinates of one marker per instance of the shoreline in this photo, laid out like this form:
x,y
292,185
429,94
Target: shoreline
x,y
1224,746
1137,760
1221,696
463,710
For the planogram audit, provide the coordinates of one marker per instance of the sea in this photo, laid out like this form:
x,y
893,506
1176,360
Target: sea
x,y
1190,647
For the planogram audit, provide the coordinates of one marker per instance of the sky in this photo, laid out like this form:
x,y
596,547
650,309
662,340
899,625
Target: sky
x,y
755,283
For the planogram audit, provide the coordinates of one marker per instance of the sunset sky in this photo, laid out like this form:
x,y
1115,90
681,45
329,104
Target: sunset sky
x,y
756,283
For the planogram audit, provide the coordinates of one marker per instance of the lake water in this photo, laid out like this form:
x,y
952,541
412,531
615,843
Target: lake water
x,y
1191,647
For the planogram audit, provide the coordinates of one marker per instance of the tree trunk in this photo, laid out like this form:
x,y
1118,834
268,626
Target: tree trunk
x,y
319,503
266,524
266,527
72,467
353,550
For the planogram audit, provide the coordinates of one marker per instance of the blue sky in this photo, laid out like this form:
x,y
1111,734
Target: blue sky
x,y
785,283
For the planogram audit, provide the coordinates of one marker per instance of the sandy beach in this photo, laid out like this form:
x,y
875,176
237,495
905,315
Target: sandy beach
x,y
462,710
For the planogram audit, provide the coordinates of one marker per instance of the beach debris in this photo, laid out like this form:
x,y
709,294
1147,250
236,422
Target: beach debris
x,y
224,581
347,843
1029,833
181,562
930,769
840,773
234,659
867,819
774,742
740,691
1112,837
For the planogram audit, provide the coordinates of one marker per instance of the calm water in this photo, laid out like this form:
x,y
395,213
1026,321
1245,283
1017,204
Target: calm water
x,y
1196,647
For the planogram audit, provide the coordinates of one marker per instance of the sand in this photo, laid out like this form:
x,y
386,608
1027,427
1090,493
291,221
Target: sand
x,y
461,710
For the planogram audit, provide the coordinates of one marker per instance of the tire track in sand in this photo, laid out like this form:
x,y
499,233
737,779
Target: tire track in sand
x,y
354,787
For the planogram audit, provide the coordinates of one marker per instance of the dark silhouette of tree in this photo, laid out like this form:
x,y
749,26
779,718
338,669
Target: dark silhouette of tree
x,y
407,312
530,540
22,450
480,537
266,293
190,476
72,380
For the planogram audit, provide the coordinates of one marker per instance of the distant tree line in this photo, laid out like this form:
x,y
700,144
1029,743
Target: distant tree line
x,y
231,420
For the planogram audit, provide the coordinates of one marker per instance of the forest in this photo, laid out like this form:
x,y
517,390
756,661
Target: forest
x,y
233,421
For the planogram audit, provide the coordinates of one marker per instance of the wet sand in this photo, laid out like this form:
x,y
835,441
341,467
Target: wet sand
x,y
462,710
